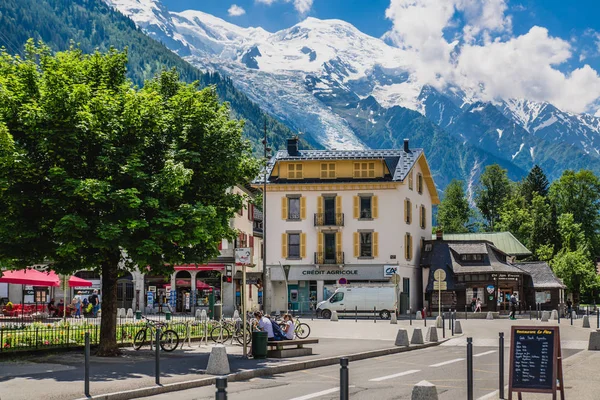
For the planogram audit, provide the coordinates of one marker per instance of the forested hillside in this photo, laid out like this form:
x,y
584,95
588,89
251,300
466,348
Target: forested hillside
x,y
92,25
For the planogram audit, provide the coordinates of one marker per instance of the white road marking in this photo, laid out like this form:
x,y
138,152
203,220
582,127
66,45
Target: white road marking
x,y
447,362
486,353
318,394
383,378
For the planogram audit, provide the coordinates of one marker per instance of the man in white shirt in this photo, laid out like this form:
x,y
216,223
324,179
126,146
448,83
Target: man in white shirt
x,y
264,324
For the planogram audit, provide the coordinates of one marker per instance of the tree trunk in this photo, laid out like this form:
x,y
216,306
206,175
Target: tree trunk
x,y
108,328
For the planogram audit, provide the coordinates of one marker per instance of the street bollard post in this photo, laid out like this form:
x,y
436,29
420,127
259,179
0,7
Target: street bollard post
x,y
558,313
571,317
355,313
344,379
425,317
466,314
410,315
452,323
530,313
157,357
443,325
375,315
469,368
501,365
587,310
221,384
86,388
598,318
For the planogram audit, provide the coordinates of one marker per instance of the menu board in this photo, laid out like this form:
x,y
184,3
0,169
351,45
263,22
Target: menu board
x,y
535,363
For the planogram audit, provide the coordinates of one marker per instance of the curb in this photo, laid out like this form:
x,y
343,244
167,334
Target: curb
x,y
254,373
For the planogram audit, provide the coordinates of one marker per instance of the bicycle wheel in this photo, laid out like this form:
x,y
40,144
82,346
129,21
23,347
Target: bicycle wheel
x,y
169,340
219,334
240,338
139,339
302,331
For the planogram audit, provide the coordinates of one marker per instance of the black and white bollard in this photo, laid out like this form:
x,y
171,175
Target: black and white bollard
x,y
157,357
344,379
221,384
501,365
469,368
86,388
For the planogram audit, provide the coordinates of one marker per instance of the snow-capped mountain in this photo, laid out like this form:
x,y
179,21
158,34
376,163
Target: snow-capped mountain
x,y
314,75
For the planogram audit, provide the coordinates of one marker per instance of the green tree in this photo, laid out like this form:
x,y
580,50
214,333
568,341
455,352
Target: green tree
x,y
578,193
99,174
454,212
494,188
535,182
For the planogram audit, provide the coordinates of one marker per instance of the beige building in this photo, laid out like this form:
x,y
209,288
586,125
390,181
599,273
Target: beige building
x,y
355,215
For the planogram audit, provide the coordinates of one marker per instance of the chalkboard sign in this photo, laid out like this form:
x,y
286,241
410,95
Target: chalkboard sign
x,y
535,360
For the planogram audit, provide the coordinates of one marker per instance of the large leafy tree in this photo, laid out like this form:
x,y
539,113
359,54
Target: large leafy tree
x,y
454,212
98,174
494,188
578,194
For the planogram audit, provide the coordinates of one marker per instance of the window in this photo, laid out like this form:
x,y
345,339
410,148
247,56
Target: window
x,y
407,211
420,183
293,245
422,218
364,170
294,171
408,246
471,257
293,208
410,180
365,208
327,170
366,244
339,296
242,240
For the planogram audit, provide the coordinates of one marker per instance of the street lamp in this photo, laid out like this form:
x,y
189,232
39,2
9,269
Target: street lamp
x,y
266,302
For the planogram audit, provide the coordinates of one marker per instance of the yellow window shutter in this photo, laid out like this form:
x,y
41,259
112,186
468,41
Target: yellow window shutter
x,y
406,246
284,246
303,245
320,205
356,207
409,208
319,248
406,211
375,207
356,244
302,207
284,204
375,244
338,210
410,247
338,247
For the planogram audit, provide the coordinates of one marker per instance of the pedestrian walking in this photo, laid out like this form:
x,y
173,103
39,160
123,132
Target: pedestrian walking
x,y
76,302
569,306
513,306
478,305
95,302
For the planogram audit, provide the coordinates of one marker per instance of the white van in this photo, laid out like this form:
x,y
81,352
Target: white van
x,y
360,300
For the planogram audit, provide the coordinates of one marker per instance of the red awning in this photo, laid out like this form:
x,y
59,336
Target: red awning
x,y
199,284
31,277
196,267
74,281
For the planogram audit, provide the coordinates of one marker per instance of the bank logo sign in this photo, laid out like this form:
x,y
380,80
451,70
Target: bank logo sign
x,y
390,270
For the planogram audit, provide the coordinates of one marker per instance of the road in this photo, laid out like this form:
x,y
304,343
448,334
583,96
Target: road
x,y
382,378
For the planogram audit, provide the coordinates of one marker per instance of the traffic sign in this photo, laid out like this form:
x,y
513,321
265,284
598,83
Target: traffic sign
x,y
395,279
440,286
439,275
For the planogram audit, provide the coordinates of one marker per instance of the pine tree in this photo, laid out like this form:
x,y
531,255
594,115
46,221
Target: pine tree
x,y
535,182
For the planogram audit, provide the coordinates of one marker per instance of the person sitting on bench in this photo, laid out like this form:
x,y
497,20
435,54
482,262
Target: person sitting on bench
x,y
289,327
264,324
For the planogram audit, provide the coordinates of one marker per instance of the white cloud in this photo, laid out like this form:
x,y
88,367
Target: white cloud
x,y
236,11
485,58
302,6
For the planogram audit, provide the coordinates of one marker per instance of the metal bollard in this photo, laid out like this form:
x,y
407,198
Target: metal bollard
x,y
344,378
598,318
558,313
469,368
452,322
221,384
375,315
466,314
410,315
425,318
501,365
571,317
86,388
443,325
157,357
355,313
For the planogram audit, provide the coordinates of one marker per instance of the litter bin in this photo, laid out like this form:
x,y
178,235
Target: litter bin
x,y
259,344
168,315
218,311
138,315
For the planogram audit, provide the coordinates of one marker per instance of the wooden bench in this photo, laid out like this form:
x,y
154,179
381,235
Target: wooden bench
x,y
277,348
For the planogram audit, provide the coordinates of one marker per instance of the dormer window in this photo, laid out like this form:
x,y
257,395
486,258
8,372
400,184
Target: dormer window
x,y
471,257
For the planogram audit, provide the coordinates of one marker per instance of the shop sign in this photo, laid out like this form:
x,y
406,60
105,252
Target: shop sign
x,y
152,289
330,272
243,256
390,270
490,289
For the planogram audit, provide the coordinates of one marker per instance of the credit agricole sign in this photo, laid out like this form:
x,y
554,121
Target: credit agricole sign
x,y
330,272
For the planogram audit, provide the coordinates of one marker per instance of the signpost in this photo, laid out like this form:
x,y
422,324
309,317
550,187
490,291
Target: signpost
x,y
396,280
243,258
440,276
535,361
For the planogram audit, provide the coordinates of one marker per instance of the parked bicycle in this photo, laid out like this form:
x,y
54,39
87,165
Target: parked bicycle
x,y
301,330
220,333
169,339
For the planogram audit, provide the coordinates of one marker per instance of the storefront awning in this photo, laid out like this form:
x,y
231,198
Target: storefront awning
x,y
199,267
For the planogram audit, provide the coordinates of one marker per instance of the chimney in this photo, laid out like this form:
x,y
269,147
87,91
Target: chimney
x,y
406,149
439,234
292,146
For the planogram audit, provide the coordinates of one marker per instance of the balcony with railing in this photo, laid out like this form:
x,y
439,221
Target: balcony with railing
x,y
329,258
329,219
